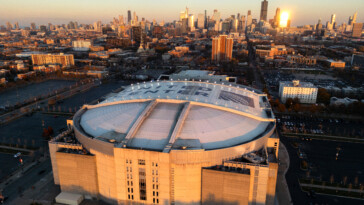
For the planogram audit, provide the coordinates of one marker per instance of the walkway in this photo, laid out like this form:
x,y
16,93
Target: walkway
x,y
282,192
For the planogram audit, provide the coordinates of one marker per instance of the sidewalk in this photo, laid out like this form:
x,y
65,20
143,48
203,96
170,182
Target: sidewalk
x,y
282,191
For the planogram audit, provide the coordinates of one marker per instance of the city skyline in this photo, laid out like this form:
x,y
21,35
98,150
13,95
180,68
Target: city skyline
x,y
43,12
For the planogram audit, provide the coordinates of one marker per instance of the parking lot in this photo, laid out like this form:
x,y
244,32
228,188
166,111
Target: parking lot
x,y
323,165
320,126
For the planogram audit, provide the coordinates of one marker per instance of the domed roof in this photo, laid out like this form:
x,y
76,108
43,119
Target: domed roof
x,y
170,115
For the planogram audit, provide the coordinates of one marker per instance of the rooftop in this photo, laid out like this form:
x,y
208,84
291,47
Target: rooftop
x,y
179,115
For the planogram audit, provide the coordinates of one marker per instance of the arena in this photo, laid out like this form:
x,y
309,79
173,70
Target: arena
x,y
171,142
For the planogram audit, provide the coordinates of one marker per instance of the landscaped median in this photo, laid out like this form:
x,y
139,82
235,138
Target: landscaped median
x,y
335,189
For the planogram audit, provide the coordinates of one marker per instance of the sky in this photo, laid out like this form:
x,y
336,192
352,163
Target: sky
x,y
301,12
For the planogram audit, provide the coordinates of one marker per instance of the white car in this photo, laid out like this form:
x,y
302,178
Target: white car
x,y
17,155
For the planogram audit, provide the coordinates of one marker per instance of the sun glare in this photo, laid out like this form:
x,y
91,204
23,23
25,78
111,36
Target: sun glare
x,y
284,19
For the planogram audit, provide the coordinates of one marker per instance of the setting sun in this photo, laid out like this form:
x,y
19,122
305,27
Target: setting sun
x,y
284,19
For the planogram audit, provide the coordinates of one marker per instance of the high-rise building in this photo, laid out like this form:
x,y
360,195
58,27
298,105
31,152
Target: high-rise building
x,y
264,11
183,14
201,21
277,18
333,17
206,21
43,28
243,23
98,26
9,26
357,30
352,19
16,25
249,19
222,48
319,27
33,26
135,18
121,19
129,17
191,22
235,24
216,16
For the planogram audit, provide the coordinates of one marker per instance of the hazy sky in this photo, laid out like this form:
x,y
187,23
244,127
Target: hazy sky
x,y
88,11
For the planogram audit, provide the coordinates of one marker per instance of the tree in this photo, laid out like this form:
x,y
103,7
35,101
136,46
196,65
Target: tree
x,y
313,108
289,103
281,107
50,130
45,134
323,96
297,107
296,101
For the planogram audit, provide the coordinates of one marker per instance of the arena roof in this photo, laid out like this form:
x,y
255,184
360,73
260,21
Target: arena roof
x,y
173,114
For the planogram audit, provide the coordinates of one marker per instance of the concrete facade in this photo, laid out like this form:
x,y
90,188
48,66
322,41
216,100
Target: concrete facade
x,y
178,172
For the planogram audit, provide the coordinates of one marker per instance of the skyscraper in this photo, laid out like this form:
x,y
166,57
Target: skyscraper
x,y
333,17
222,48
129,16
33,26
216,16
264,11
121,19
9,26
352,19
249,19
201,21
135,18
191,22
16,25
277,18
183,14
206,22
319,26
98,26
243,23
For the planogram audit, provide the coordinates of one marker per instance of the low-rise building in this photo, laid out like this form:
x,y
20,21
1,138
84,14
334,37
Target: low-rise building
x,y
27,75
271,51
298,59
47,59
335,64
305,92
81,45
342,101
2,81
